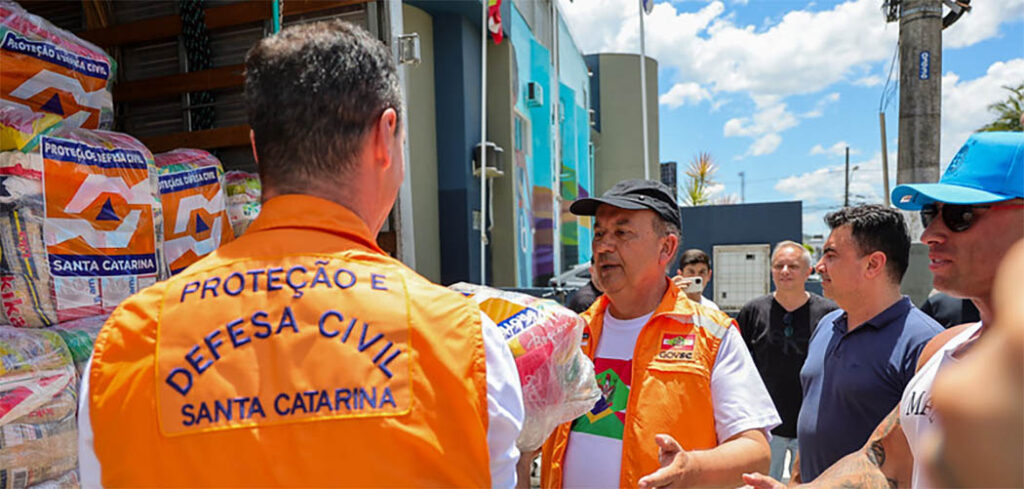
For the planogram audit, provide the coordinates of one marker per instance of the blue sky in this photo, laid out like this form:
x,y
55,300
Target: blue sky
x,y
776,89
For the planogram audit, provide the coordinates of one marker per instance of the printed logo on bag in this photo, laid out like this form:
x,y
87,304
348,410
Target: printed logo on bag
x,y
324,346
99,210
677,346
49,78
511,318
196,217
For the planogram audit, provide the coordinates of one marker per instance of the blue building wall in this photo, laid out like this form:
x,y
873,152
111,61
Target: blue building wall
x,y
766,223
457,98
576,176
533,212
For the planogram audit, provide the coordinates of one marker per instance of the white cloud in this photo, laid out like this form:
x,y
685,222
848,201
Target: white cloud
x,y
868,81
803,52
836,150
981,23
715,189
765,145
684,93
826,185
771,119
764,126
965,102
819,109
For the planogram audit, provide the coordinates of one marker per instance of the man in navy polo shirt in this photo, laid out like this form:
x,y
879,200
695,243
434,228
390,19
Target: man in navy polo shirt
x,y
861,356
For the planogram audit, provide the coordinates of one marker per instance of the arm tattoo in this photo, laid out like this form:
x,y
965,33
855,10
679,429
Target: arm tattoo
x,y
876,454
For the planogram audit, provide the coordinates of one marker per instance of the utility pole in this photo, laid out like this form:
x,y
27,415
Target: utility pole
x,y
885,161
742,187
846,193
920,91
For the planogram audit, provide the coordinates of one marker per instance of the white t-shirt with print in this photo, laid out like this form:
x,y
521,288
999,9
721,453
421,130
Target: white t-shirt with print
x,y
704,301
740,401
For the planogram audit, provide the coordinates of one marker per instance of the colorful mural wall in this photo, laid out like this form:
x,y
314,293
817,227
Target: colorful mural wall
x,y
534,169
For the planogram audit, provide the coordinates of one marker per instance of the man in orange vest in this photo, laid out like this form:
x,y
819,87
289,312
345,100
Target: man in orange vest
x,y
683,403
301,354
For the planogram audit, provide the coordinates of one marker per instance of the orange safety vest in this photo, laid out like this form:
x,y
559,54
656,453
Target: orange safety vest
x,y
670,388
297,355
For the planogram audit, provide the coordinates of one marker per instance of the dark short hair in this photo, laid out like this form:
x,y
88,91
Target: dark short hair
x,y
693,257
312,92
877,228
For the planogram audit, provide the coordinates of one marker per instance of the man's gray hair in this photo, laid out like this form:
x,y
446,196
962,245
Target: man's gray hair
x,y
806,255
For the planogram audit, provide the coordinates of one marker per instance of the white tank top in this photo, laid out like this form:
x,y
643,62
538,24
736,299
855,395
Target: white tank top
x,y
916,416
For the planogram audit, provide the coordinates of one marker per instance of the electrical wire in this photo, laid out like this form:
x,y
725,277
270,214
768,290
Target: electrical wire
x,y
891,82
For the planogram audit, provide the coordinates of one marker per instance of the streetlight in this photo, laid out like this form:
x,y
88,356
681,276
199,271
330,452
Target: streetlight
x,y
846,194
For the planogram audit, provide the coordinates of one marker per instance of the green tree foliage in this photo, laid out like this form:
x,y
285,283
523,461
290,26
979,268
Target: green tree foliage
x,y
699,179
1008,112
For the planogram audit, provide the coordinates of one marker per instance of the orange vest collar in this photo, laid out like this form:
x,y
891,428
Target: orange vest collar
x,y
307,211
673,303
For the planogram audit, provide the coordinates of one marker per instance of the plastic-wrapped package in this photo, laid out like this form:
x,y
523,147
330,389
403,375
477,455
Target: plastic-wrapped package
x,y
49,70
38,401
80,221
193,200
80,336
557,378
21,128
244,193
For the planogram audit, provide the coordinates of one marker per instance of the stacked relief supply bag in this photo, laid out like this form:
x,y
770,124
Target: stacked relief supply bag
x,y
557,378
22,127
244,193
80,336
48,70
196,221
80,224
38,402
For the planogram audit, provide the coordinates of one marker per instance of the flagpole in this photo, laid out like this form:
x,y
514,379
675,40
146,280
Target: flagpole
x,y
483,143
643,91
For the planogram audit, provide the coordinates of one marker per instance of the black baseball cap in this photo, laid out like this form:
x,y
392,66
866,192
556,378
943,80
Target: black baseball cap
x,y
633,195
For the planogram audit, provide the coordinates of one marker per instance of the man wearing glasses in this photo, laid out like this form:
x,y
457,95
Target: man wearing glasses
x,y
776,328
860,357
972,218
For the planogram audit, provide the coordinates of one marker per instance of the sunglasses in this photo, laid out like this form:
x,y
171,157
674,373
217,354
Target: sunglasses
x,y
958,218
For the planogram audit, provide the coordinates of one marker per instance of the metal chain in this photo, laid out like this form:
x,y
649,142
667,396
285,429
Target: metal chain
x,y
196,39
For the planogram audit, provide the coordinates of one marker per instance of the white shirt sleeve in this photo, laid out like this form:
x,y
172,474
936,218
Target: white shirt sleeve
x,y
739,398
88,463
504,405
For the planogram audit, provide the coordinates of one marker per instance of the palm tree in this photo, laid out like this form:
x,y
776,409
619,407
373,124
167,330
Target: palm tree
x,y
1008,111
697,189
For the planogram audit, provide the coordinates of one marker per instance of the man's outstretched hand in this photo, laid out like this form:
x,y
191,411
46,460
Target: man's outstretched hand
x,y
761,481
677,467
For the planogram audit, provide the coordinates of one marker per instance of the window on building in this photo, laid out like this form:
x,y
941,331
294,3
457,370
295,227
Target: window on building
x,y
522,133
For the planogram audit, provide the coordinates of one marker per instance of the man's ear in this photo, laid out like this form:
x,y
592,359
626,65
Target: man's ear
x,y
668,249
876,264
252,140
384,133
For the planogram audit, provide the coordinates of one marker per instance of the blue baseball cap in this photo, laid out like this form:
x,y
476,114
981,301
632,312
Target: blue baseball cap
x,y
988,168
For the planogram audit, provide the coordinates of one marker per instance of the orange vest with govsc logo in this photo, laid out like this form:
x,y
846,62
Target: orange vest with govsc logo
x,y
670,388
297,355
